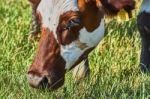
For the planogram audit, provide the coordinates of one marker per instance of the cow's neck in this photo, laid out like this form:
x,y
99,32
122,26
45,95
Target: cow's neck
x,y
91,15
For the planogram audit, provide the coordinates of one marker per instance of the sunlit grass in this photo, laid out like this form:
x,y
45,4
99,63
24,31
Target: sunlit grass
x,y
114,64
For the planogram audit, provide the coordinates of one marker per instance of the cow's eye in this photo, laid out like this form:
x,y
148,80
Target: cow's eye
x,y
73,22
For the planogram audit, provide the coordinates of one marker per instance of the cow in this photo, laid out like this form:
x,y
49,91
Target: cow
x,y
71,29
143,21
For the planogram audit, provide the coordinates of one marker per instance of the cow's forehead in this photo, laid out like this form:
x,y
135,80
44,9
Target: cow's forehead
x,y
51,10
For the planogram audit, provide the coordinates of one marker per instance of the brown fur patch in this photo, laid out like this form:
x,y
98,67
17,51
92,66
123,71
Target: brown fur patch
x,y
91,16
34,3
66,36
39,17
48,61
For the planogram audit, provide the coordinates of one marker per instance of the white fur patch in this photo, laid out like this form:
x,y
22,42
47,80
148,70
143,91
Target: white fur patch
x,y
51,10
145,6
72,52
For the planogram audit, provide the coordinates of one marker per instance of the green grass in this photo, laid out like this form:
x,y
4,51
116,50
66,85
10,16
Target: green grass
x,y
114,63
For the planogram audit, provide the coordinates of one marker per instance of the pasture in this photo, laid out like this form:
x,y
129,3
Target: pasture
x,y
115,71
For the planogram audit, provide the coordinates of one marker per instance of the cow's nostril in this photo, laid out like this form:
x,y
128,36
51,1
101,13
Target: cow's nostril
x,y
44,83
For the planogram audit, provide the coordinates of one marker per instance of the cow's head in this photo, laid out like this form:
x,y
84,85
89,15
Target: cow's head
x,y
62,46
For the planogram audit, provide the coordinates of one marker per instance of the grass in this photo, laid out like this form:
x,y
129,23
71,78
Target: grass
x,y
115,71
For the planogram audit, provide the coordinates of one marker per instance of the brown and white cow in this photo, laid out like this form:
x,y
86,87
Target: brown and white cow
x,y
71,29
144,28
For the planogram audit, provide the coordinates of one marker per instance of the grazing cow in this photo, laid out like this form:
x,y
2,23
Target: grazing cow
x,y
71,29
143,21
